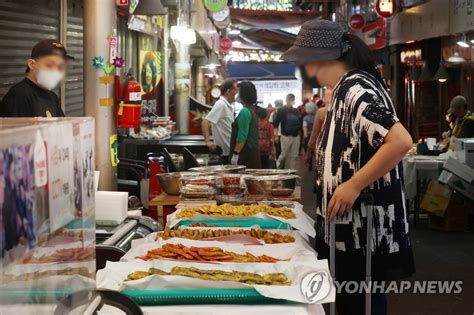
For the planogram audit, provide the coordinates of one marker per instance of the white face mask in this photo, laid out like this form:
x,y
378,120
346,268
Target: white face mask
x,y
49,79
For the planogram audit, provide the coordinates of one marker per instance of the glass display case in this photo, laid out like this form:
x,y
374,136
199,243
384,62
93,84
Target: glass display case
x,y
47,221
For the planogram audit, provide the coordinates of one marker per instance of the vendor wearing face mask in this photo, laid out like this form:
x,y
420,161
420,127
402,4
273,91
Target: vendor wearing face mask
x,y
33,96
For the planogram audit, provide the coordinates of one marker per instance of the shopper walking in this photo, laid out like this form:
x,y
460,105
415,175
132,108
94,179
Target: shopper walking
x,y
288,118
244,140
308,122
360,148
276,131
265,139
34,96
221,118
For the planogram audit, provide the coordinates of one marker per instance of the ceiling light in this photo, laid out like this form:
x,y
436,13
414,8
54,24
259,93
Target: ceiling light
x,y
236,42
456,58
463,43
150,8
183,34
442,74
426,74
213,62
234,32
414,73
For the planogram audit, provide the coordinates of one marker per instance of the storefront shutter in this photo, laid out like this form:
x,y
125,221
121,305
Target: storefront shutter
x,y
75,74
22,24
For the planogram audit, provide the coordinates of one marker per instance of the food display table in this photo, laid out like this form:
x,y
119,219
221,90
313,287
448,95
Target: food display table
x,y
419,169
219,265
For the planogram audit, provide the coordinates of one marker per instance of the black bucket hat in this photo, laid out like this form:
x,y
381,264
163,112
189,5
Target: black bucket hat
x,y
317,40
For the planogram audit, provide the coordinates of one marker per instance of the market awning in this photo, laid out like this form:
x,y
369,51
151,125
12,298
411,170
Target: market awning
x,y
271,19
267,71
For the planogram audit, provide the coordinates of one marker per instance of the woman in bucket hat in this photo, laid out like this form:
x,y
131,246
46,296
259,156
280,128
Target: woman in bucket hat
x,y
359,148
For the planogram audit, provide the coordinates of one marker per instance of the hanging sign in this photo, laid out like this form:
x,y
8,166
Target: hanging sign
x,y
222,24
113,146
225,44
356,21
385,8
215,5
221,15
374,34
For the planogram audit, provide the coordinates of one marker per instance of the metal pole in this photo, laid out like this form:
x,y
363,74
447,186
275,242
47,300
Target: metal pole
x,y
181,91
63,39
99,23
166,65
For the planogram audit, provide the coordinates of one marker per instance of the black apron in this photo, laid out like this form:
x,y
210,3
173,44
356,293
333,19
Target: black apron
x,y
250,157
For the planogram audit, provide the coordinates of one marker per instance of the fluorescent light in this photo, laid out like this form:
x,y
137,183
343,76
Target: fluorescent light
x,y
234,32
442,80
463,44
183,34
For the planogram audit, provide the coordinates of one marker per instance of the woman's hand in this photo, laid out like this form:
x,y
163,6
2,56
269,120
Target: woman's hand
x,y
342,199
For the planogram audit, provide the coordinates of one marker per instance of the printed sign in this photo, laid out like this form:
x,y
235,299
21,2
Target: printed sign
x,y
40,162
60,173
113,150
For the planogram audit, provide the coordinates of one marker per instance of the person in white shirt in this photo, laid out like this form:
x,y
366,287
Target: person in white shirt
x,y
221,118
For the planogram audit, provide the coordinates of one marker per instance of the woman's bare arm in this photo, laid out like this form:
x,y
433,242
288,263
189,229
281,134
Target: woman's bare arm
x,y
396,144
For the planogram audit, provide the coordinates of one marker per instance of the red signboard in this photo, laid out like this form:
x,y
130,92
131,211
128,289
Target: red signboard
x,y
356,21
385,8
225,44
374,34
122,3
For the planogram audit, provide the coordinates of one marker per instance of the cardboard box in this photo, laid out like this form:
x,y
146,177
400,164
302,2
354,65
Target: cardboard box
x,y
465,151
436,198
456,217
459,169
458,184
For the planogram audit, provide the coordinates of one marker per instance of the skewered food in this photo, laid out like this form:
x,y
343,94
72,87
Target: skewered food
x,y
240,210
196,234
217,275
181,252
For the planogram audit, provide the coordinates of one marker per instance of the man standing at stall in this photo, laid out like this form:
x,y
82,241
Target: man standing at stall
x,y
289,119
33,96
221,118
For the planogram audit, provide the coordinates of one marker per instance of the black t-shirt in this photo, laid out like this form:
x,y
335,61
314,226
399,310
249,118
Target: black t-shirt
x,y
26,99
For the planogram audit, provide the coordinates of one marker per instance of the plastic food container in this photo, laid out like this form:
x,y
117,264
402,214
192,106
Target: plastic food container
x,y
272,186
231,179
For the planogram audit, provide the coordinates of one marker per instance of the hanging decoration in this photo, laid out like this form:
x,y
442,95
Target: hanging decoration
x,y
119,62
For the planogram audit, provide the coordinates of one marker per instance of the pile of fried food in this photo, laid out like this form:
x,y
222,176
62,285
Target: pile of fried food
x,y
217,275
238,210
62,256
203,234
83,271
181,252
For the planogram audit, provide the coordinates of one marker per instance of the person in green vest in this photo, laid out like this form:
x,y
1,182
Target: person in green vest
x,y
463,118
244,139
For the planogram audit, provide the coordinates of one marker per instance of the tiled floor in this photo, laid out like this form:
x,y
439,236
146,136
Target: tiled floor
x,y
438,256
